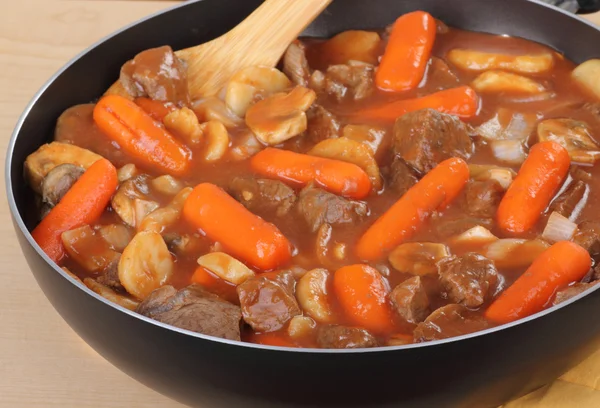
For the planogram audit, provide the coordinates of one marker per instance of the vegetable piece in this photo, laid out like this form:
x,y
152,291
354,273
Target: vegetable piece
x,y
560,265
88,249
368,135
162,218
311,292
559,228
117,236
270,339
222,218
407,53
216,285
418,258
110,294
508,124
130,202
350,151
339,177
281,116
363,294
351,45
39,163
127,171
461,101
158,110
252,84
184,123
512,253
573,135
300,326
509,151
476,236
482,61
499,81
213,108
503,175
83,204
538,180
166,184
141,136
434,191
145,264
225,267
217,140
587,74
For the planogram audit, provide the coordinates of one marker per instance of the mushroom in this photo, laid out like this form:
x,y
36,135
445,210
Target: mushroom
x,y
184,123
58,181
573,135
311,292
226,267
129,201
418,258
587,74
481,61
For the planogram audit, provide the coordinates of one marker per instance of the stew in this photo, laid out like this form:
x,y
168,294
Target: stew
x,y
377,188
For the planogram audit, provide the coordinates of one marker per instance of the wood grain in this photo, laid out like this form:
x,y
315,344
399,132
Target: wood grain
x,y
42,362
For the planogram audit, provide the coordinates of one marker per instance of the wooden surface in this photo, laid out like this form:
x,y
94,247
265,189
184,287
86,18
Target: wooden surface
x,y
42,362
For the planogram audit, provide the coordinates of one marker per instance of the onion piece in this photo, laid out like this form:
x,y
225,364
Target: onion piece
x,y
559,228
514,252
507,124
509,151
477,235
483,172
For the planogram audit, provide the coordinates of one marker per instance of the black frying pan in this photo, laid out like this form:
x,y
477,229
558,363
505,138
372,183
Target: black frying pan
x,y
480,370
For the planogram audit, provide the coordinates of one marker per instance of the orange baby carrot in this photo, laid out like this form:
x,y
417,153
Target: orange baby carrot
x,y
243,234
563,263
215,285
461,101
407,53
538,180
363,294
140,136
83,204
339,177
434,191
158,110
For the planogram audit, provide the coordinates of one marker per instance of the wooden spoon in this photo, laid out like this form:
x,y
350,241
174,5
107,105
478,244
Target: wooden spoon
x,y
261,39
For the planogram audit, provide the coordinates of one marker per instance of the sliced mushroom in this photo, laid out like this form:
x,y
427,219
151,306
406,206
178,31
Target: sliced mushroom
x,y
159,220
301,326
184,123
116,235
418,258
311,292
213,108
126,172
129,201
110,294
245,145
482,172
145,265
481,61
39,163
587,74
226,267
217,140
167,185
185,244
88,249
499,81
280,116
58,181
573,135
252,84
350,151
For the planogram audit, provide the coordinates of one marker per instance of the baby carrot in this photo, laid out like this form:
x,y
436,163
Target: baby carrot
x,y
243,234
83,204
461,101
434,191
158,110
363,294
407,53
215,285
563,263
140,136
538,179
339,177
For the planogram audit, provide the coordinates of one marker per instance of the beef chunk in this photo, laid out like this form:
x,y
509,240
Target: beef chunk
x,y
193,308
482,198
449,321
571,291
342,337
440,75
470,279
353,80
566,203
268,304
322,124
110,275
588,236
410,300
427,137
318,207
159,74
263,195
401,177
295,64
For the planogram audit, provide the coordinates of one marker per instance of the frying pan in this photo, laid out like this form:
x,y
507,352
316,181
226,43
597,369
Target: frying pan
x,y
484,369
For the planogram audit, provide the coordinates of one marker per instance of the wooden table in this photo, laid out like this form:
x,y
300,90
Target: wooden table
x,y
42,362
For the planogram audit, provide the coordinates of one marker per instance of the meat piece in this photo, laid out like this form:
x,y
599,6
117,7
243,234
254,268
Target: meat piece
x,y
318,207
401,177
110,275
193,308
322,124
588,236
353,80
268,304
58,181
295,64
440,76
571,199
263,195
446,228
342,337
158,74
449,321
410,300
482,198
427,137
571,291
470,279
